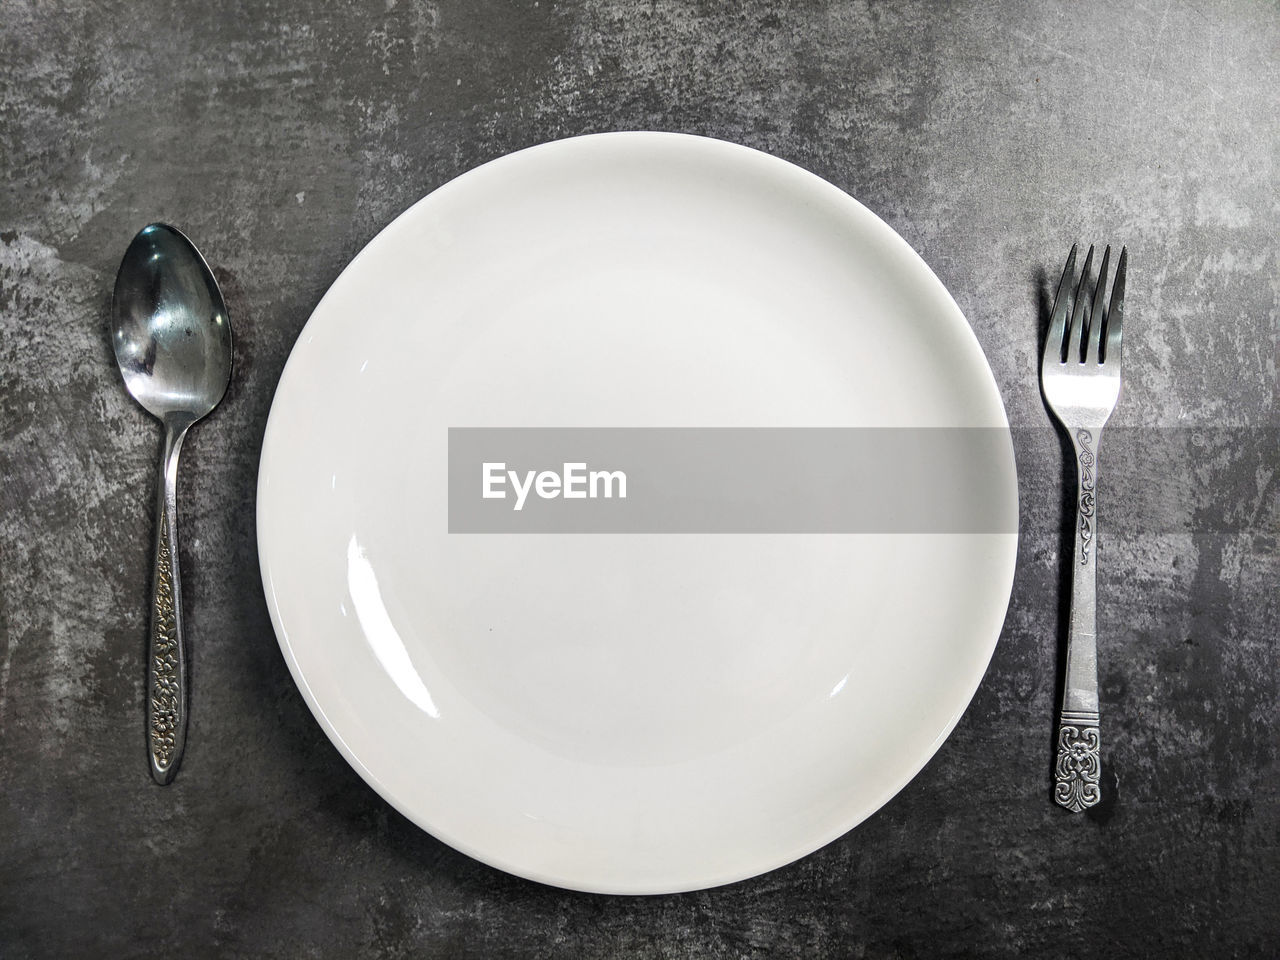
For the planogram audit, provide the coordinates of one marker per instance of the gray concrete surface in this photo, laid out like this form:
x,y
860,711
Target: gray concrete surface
x,y
283,135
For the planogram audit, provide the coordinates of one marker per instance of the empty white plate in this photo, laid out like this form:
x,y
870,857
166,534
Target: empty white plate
x,y
634,713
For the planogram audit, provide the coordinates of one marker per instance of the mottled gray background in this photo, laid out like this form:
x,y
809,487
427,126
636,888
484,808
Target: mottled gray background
x,y
283,135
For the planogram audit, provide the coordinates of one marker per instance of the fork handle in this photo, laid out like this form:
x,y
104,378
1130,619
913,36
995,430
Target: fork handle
x,y
1079,766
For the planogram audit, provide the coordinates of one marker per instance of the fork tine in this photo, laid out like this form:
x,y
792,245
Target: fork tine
x,y
1115,312
1058,319
1078,315
1095,312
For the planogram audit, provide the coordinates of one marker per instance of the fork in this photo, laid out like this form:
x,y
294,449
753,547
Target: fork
x,y
1080,377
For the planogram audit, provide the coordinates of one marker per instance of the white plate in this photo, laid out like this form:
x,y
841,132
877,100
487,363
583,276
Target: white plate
x,y
624,713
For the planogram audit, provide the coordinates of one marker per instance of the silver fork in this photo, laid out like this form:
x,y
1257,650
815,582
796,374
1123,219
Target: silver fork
x,y
1080,376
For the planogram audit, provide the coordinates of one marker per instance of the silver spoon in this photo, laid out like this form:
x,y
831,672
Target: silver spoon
x,y
172,338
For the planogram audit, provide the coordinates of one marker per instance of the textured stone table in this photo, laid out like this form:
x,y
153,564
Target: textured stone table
x,y
284,135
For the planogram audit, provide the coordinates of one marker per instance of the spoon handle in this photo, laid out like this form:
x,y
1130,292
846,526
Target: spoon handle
x,y
166,653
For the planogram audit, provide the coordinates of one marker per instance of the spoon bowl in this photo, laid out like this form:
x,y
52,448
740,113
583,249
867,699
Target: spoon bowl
x,y
170,329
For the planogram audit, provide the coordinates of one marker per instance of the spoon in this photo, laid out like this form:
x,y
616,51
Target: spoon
x,y
172,338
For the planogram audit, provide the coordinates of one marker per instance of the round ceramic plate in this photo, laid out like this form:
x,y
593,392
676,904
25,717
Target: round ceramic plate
x,y
634,713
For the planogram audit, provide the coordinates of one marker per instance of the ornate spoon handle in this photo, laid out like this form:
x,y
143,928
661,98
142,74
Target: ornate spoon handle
x,y
166,654
1079,766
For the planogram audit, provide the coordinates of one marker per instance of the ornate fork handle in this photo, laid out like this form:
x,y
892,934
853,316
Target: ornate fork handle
x,y
1079,765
